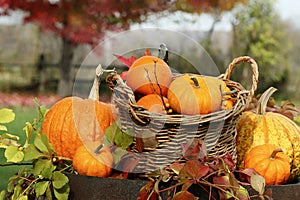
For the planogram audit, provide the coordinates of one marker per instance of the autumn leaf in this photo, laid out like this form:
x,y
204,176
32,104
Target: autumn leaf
x,y
258,183
194,169
184,195
126,61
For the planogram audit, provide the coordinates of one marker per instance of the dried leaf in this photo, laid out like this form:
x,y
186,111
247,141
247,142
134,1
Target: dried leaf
x,y
193,169
184,195
195,149
258,183
176,167
126,61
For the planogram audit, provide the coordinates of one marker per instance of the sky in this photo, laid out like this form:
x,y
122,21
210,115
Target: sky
x,y
287,9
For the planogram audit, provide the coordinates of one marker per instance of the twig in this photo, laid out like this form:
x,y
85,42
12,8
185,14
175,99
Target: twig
x,y
17,164
157,83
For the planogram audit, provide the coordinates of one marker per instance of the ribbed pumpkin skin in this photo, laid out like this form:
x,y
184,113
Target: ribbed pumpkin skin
x,y
86,163
275,171
73,120
184,98
272,128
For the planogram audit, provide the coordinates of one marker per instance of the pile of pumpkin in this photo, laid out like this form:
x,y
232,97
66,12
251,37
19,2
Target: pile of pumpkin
x,y
159,91
266,141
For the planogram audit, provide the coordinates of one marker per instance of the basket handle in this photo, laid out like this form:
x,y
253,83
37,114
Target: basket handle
x,y
253,65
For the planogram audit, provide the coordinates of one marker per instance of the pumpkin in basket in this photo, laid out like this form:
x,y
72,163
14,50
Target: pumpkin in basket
x,y
193,94
72,120
269,161
154,103
261,127
149,75
90,161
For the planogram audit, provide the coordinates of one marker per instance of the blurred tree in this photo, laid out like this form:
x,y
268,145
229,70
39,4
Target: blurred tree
x,y
213,7
85,21
80,22
259,33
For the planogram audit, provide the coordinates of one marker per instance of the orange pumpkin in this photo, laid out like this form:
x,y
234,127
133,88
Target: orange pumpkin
x,y
228,101
149,74
90,161
153,103
73,120
194,94
270,162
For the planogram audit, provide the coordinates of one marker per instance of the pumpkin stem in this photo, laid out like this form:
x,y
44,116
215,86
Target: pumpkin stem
x,y
94,93
273,155
196,83
96,151
263,100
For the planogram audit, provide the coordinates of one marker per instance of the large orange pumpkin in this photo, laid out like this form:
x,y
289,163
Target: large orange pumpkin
x,y
149,75
73,120
193,94
90,161
261,127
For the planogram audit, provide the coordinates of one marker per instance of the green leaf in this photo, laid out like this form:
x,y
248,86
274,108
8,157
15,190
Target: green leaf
x,y
2,195
17,192
6,115
43,167
32,153
258,183
48,193
23,197
9,136
41,187
28,130
42,109
62,193
118,153
12,154
3,128
242,193
116,136
59,180
41,143
7,139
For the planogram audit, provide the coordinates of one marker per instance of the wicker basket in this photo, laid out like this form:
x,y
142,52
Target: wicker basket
x,y
166,132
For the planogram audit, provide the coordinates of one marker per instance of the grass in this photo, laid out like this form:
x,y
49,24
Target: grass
x,y
23,115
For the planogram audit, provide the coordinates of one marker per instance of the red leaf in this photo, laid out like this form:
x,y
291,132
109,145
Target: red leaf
x,y
123,75
145,191
184,195
195,149
126,61
147,52
194,169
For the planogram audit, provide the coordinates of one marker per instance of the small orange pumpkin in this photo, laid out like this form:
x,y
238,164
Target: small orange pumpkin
x,y
153,103
228,101
194,94
90,161
270,162
146,73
